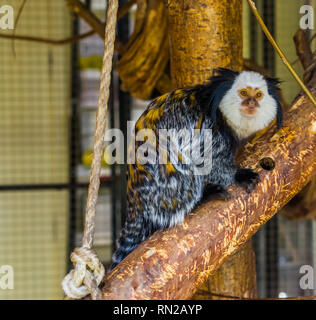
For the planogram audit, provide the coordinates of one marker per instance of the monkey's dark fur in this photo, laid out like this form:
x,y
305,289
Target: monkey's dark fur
x,y
161,195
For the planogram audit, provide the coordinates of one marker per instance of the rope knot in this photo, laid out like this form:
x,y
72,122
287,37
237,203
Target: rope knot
x,y
87,275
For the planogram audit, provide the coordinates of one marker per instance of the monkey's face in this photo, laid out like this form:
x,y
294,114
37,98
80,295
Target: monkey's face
x,y
248,106
250,100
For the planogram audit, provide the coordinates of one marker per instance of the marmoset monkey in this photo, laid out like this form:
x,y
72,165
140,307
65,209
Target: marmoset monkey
x,y
234,106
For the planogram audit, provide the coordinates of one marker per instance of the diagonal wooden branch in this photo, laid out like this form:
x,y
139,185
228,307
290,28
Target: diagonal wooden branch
x,y
87,15
303,48
94,22
173,263
303,205
305,54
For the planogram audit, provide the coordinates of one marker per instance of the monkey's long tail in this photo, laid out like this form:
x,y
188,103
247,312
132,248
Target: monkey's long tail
x,y
131,236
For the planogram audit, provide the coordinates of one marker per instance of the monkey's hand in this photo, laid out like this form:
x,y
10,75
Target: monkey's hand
x,y
215,192
247,178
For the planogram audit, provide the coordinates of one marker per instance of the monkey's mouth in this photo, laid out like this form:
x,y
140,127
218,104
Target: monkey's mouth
x,y
248,112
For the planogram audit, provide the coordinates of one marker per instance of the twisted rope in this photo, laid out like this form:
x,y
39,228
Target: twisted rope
x,y
80,281
89,271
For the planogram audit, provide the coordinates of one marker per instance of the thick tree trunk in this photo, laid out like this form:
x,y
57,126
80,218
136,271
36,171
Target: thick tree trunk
x,y
203,34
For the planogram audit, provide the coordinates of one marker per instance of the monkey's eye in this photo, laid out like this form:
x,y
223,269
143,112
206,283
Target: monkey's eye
x,y
243,93
259,94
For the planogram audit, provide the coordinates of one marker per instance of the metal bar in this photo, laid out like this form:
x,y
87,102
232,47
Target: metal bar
x,y
73,144
124,114
113,172
271,229
50,186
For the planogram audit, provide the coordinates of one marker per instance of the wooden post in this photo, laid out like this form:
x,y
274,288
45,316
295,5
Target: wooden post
x,y
204,35
234,279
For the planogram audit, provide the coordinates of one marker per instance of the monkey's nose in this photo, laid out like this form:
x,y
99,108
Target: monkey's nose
x,y
252,104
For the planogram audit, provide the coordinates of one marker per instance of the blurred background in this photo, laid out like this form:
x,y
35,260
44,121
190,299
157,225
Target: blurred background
x,y
48,100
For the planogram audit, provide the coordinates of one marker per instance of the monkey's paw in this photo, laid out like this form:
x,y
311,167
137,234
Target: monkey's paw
x,y
215,192
247,179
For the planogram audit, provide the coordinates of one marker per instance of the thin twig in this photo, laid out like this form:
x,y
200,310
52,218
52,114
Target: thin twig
x,y
118,45
312,38
93,21
47,40
279,51
310,42
125,8
88,16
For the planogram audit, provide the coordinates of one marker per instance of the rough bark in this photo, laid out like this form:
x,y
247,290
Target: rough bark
x,y
174,263
303,205
203,34
234,279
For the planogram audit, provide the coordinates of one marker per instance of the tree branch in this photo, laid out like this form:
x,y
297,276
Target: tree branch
x,y
304,204
96,24
88,16
47,40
